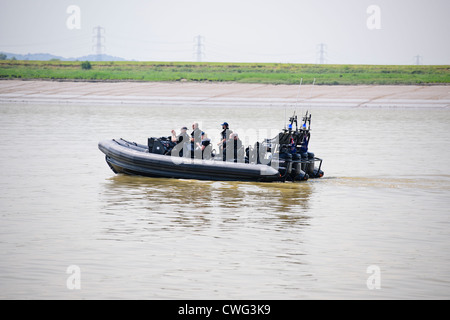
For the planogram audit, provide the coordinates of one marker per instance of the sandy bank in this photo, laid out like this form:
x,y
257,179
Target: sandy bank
x,y
221,94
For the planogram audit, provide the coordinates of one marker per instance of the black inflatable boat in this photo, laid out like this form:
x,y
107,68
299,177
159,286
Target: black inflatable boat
x,y
283,158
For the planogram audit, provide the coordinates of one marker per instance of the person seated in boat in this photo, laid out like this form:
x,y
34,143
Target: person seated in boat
x,y
178,142
182,137
205,146
196,136
234,149
304,143
224,135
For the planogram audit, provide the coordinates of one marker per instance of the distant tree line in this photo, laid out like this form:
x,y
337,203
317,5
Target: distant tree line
x,y
5,57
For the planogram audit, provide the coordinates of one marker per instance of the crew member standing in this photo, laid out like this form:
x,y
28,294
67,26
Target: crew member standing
x,y
196,137
226,132
234,149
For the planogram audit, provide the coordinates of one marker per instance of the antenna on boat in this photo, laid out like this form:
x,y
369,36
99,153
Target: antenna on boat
x,y
310,90
298,93
296,103
309,98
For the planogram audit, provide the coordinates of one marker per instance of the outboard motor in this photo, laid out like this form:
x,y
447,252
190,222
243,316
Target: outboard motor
x,y
285,164
309,165
318,173
297,173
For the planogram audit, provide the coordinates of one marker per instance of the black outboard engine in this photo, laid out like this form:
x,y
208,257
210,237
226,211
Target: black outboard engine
x,y
298,173
285,164
295,162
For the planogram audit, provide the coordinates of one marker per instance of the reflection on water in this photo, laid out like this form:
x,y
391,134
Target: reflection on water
x,y
202,204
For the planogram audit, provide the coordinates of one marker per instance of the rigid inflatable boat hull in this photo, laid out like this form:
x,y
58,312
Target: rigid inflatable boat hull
x,y
123,157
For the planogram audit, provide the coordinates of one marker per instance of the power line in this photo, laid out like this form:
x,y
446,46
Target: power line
x,y
99,39
322,53
121,37
418,60
199,47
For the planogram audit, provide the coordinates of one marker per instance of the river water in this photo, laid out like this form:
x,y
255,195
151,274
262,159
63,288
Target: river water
x,y
376,226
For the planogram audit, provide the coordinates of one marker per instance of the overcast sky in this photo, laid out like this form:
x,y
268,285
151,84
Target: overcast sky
x,y
234,30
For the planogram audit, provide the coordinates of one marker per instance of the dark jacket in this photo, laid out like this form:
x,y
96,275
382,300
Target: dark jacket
x,y
233,147
183,137
225,134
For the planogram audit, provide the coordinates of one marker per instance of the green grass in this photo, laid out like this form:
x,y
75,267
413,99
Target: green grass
x,y
271,73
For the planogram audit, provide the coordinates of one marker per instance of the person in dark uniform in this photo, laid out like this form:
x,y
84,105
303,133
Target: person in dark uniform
x,y
196,137
196,134
225,134
178,142
304,143
234,146
182,137
205,145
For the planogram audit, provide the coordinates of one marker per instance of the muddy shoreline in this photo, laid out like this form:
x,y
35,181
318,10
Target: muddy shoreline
x,y
221,94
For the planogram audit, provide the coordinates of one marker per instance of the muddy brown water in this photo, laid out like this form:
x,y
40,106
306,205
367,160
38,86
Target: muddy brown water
x,y
383,205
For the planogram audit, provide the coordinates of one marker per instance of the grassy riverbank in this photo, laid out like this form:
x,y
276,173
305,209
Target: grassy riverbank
x,y
269,73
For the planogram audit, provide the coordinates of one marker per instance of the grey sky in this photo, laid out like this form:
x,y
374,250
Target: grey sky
x,y
234,30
